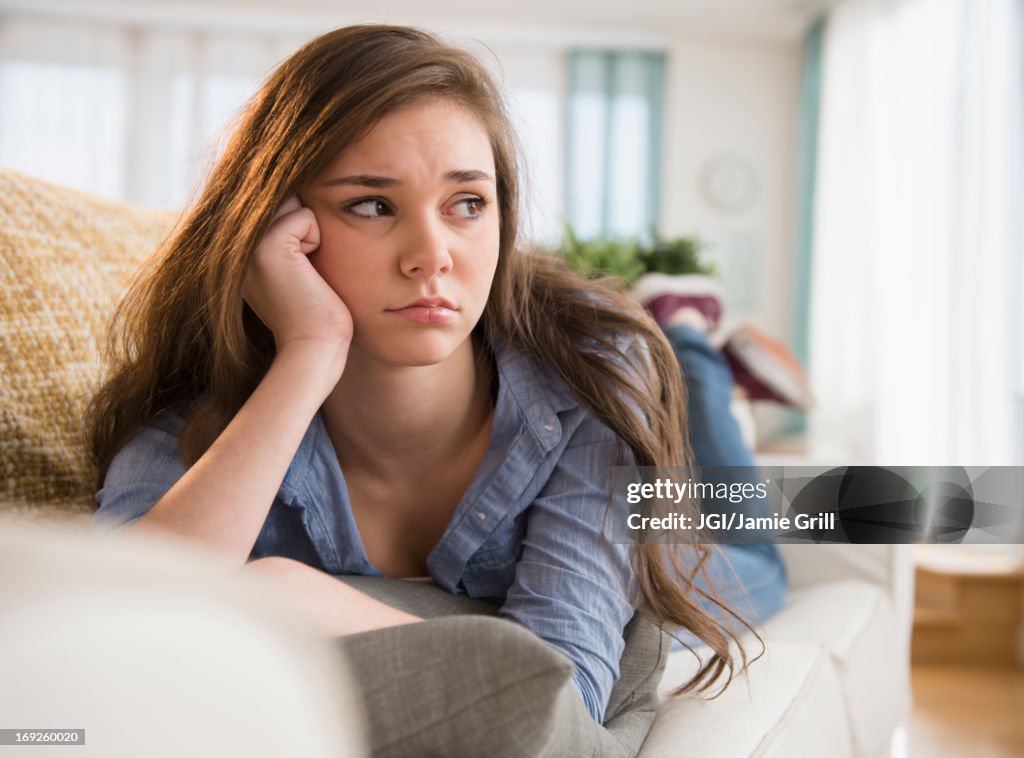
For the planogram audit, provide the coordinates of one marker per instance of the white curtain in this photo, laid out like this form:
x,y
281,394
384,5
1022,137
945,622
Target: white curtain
x,y
126,112
917,355
137,111
85,70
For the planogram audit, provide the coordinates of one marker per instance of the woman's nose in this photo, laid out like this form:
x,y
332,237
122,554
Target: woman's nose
x,y
426,250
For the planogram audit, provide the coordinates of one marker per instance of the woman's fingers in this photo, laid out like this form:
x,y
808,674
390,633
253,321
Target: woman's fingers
x,y
302,226
284,289
310,239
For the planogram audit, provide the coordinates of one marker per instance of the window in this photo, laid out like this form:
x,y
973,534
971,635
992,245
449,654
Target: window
x,y
613,142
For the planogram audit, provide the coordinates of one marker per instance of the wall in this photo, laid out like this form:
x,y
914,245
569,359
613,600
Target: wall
x,y
737,99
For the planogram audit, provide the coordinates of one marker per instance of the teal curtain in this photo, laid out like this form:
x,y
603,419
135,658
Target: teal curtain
x,y
613,142
807,157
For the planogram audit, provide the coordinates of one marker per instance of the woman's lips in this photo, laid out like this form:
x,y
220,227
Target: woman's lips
x,y
425,314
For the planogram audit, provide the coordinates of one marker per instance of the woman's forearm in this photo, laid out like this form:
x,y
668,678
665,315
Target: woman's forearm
x,y
326,605
222,501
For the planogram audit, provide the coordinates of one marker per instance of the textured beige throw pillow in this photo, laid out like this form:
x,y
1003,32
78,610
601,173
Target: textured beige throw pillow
x,y
65,258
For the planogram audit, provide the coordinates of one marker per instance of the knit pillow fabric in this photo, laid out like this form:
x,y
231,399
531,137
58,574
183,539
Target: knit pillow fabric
x,y
65,259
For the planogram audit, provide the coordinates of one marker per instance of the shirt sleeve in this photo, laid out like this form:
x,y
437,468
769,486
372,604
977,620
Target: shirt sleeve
x,y
139,475
572,584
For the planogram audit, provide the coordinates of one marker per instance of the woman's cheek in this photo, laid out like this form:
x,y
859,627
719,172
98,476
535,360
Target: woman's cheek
x,y
326,265
334,254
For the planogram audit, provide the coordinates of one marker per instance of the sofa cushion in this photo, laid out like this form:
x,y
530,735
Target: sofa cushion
x,y
855,622
813,565
492,680
788,703
64,258
458,685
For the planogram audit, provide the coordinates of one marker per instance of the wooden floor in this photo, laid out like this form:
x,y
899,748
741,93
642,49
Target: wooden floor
x,y
969,711
967,683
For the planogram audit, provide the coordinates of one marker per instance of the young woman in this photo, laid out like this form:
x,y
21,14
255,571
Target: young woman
x,y
340,363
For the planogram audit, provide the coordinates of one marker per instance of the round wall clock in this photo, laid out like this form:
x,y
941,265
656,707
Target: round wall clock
x,y
729,183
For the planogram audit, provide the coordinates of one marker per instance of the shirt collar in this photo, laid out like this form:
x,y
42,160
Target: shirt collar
x,y
534,390
530,392
292,488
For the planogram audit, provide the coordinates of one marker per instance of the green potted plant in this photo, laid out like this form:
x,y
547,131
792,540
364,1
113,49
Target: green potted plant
x,y
601,257
677,256
632,259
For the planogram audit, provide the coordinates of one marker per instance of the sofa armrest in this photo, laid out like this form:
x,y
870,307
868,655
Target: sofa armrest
x,y
890,568
154,649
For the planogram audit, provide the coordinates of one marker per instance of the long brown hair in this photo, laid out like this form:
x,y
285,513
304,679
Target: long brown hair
x,y
184,340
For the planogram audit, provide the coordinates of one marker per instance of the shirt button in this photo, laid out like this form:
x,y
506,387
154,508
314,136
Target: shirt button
x,y
481,515
549,427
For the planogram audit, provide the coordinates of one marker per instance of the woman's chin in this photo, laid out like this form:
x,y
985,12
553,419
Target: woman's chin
x,y
426,349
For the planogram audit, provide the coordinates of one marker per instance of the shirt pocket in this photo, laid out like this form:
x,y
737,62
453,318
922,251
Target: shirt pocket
x,y
491,570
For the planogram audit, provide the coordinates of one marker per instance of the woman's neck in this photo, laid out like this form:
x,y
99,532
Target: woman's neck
x,y
401,423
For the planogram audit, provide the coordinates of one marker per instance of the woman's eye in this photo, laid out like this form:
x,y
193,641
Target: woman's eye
x,y
470,207
371,207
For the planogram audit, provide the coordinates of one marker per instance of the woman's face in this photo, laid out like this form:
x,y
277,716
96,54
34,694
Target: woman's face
x,y
408,221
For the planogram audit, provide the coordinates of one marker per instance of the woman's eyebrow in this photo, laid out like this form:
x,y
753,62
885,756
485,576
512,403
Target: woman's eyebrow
x,y
470,175
381,182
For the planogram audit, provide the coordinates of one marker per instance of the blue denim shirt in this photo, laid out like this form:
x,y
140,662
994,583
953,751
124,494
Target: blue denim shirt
x,y
530,530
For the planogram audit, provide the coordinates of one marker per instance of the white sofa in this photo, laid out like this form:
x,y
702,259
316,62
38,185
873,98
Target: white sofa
x,y
835,676
834,680
133,641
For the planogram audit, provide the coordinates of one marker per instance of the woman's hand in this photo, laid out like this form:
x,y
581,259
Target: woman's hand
x,y
287,293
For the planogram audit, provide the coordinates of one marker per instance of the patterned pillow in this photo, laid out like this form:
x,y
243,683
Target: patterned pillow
x,y
65,258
